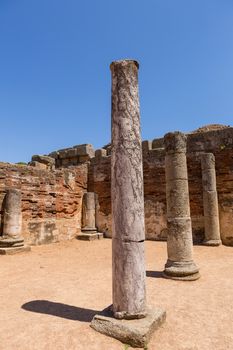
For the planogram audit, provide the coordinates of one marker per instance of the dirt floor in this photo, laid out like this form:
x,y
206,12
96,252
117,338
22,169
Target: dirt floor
x,y
49,296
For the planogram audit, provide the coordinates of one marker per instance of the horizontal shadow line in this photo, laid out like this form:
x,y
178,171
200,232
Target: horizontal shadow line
x,y
155,274
60,310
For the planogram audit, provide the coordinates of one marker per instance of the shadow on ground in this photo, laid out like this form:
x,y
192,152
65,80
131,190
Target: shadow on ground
x,y
60,310
155,274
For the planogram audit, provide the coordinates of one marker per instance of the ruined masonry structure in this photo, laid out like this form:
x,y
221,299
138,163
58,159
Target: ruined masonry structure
x,y
12,241
128,228
52,188
210,200
180,264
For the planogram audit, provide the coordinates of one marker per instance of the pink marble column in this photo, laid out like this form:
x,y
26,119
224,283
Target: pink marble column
x,y
128,229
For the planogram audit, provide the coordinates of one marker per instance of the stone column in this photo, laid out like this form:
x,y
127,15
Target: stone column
x,y
128,229
12,240
210,200
180,264
89,214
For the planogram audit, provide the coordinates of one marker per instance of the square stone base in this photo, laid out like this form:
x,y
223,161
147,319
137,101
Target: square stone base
x,y
15,250
90,236
136,333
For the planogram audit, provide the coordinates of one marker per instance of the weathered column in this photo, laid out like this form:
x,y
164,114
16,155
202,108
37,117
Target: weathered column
x,y
89,213
180,264
128,228
12,240
210,200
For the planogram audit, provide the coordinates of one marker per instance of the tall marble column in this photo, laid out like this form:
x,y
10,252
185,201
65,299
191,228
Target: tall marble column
x,y
210,200
180,264
128,228
12,241
128,319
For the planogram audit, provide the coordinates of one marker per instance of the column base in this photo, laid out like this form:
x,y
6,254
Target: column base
x,y
89,229
212,242
6,242
136,333
10,246
184,270
90,236
14,250
128,316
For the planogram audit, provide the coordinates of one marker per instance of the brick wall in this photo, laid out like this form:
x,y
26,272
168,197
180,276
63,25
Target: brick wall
x,y
220,142
51,200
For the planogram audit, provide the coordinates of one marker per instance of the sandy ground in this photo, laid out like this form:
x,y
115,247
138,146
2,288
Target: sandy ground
x,y
49,296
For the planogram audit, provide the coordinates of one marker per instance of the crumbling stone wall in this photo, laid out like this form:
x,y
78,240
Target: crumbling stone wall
x,y
218,141
72,156
51,200
53,186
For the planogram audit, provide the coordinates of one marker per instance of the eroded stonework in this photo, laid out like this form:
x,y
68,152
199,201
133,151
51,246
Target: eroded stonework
x,y
51,197
51,200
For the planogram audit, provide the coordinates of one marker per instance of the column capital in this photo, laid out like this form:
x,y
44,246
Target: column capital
x,y
123,63
175,142
207,161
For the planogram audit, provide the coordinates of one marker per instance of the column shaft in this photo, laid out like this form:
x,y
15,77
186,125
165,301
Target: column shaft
x,y
89,212
128,229
210,200
12,223
180,264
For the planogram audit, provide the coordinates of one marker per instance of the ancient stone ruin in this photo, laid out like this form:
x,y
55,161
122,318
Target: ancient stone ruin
x,y
177,188
11,240
52,190
128,228
210,200
180,264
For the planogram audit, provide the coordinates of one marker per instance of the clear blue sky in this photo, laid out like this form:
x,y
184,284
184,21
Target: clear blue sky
x,y
55,80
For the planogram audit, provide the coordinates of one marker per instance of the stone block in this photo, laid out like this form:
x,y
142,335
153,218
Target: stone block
x,y
43,159
83,159
90,236
158,143
38,165
85,149
136,333
71,153
63,154
99,153
16,250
